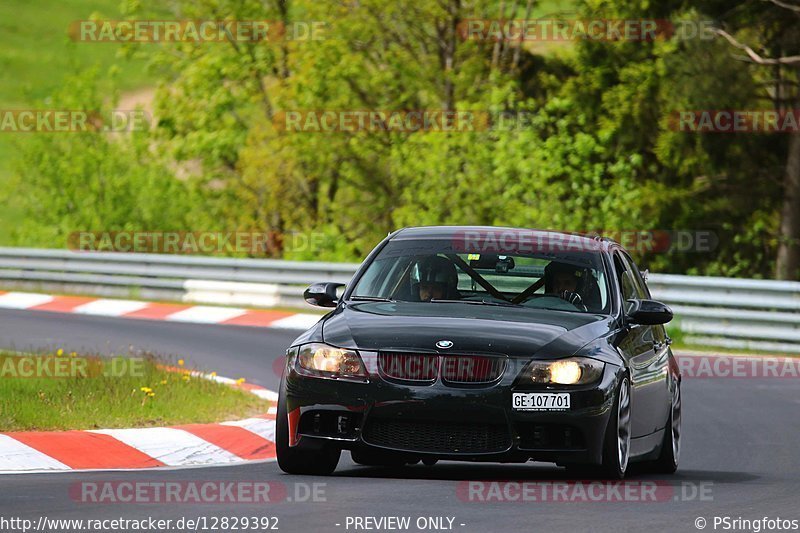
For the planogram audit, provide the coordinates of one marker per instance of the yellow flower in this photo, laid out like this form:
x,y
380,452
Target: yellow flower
x,y
60,352
240,381
180,362
213,374
146,389
74,354
163,381
186,378
151,394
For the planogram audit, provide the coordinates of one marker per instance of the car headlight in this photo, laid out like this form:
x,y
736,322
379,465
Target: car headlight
x,y
572,371
321,360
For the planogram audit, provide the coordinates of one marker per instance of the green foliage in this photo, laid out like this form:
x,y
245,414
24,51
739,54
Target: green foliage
x,y
36,53
594,148
95,180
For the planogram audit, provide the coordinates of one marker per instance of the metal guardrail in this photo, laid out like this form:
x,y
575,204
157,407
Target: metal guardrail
x,y
734,313
250,282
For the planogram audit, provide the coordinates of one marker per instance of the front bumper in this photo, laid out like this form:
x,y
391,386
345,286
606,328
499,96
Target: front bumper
x,y
443,421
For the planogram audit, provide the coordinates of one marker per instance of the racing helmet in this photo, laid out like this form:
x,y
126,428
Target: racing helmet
x,y
440,271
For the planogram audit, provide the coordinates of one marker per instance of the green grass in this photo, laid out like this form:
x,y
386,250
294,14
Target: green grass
x,y
35,56
91,392
36,52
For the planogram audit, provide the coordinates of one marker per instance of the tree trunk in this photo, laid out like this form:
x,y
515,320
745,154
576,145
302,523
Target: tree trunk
x,y
788,262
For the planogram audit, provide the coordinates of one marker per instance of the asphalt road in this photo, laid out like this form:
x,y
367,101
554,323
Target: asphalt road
x,y
232,351
740,456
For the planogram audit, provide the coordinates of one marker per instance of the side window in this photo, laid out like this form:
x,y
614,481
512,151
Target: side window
x,y
641,286
659,332
626,282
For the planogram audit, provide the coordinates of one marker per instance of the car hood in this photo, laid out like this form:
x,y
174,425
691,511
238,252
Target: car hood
x,y
415,326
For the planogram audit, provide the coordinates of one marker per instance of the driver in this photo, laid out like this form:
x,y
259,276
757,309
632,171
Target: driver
x,y
438,279
565,281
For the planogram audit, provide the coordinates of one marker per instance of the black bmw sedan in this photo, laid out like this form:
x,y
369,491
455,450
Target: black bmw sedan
x,y
484,344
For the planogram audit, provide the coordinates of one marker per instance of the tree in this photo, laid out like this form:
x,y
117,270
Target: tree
x,y
95,181
772,24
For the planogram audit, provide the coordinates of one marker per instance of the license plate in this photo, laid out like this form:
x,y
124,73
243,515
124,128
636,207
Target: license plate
x,y
540,401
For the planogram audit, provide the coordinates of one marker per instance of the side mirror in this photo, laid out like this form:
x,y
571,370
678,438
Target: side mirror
x,y
322,294
649,312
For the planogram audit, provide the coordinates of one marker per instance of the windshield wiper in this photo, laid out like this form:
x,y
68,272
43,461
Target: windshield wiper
x,y
566,310
370,299
477,302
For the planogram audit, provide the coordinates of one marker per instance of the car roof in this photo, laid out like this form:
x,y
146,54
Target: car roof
x,y
449,232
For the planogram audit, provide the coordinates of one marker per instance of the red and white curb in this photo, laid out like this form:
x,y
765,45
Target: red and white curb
x,y
198,314
262,392
188,445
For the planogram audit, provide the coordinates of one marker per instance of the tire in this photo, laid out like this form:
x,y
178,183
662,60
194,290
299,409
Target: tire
x,y
617,441
297,460
667,461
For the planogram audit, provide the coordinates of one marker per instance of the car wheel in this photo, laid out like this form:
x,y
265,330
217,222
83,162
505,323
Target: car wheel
x,y
617,445
667,462
297,459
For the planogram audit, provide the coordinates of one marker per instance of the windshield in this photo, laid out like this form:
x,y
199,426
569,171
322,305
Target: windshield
x,y
431,271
